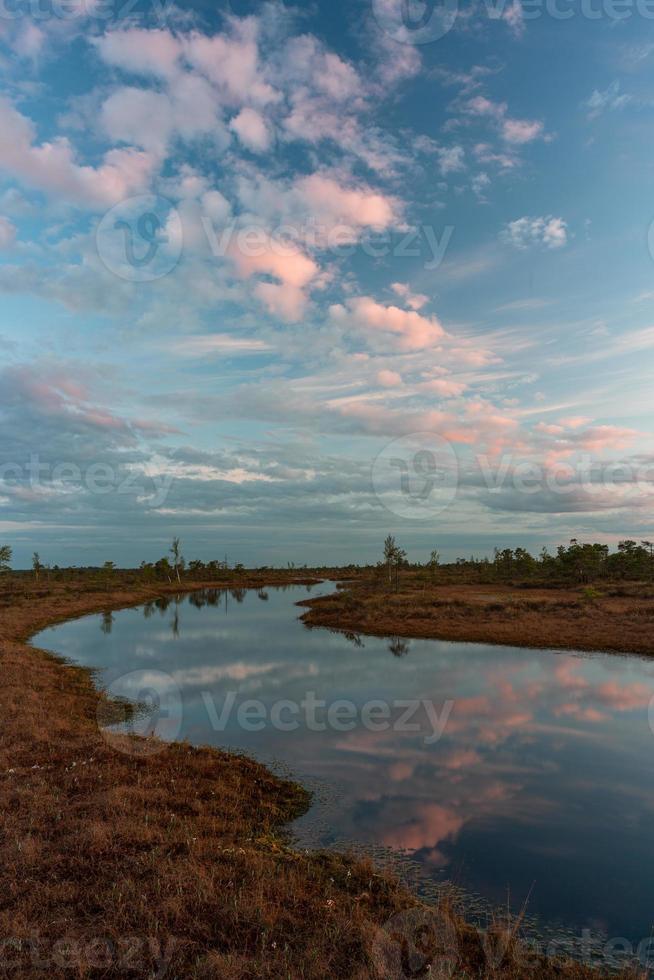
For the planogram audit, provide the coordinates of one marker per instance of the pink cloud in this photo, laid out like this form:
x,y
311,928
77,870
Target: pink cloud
x,y
389,379
606,437
52,167
549,429
406,329
357,206
574,710
143,52
282,300
49,392
414,300
626,697
428,825
294,271
521,131
52,391
513,16
461,759
574,422
292,268
401,771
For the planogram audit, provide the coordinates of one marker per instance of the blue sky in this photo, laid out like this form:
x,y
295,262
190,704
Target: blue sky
x,y
283,279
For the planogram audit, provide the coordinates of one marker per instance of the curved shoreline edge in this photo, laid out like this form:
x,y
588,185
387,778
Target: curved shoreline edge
x,y
544,618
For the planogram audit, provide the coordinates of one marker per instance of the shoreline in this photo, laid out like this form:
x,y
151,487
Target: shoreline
x,y
182,850
540,618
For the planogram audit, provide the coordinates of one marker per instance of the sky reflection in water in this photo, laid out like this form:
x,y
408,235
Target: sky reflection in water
x,y
541,785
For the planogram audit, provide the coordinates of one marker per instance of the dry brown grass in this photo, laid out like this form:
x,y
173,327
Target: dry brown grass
x,y
170,864
610,617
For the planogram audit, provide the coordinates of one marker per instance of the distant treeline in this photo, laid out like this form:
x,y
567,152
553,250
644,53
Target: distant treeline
x,y
575,562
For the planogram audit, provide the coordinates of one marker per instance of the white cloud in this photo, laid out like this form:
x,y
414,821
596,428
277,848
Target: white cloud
x,y
513,131
525,232
479,183
150,119
389,379
205,345
29,41
444,387
604,101
251,129
231,62
138,116
451,159
141,52
306,62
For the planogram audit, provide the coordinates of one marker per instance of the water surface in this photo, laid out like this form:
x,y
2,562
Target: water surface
x,y
541,785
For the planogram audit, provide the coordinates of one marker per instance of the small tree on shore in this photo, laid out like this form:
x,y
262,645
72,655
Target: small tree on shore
x,y
37,567
394,556
5,557
389,556
178,561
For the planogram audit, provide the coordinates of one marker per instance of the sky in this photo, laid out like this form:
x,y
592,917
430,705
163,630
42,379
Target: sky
x,y
282,279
